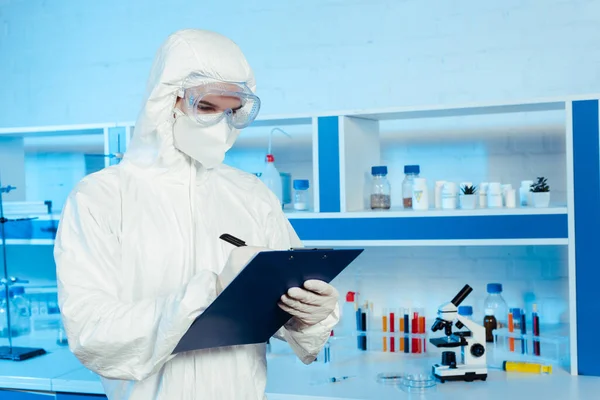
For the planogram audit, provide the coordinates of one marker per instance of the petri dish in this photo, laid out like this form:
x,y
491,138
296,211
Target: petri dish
x,y
417,383
390,378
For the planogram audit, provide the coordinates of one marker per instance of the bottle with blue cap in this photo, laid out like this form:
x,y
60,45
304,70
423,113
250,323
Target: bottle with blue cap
x,y
301,194
380,189
495,306
466,311
410,173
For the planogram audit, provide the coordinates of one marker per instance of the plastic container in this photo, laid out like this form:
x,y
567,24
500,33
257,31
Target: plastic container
x,y
348,320
439,185
494,305
494,195
420,196
483,191
22,320
272,178
301,194
286,188
380,189
410,173
525,194
449,193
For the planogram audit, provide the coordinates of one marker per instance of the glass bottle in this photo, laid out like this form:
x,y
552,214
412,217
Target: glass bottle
x,y
301,194
495,305
410,173
380,189
23,310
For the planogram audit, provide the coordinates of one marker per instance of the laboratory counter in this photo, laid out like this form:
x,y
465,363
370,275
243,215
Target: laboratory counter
x,y
59,371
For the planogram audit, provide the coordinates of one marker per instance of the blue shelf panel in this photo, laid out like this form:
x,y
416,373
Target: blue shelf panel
x,y
528,226
33,229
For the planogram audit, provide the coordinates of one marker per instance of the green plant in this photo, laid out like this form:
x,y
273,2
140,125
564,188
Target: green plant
x,y
540,186
469,189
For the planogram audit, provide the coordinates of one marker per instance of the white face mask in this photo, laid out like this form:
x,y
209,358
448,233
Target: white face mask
x,y
207,145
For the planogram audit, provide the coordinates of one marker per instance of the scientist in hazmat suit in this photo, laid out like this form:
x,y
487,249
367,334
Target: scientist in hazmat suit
x,y
138,253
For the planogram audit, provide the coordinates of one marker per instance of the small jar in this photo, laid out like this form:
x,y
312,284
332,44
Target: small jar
x,y
525,193
380,189
494,195
420,200
410,173
449,193
301,194
466,311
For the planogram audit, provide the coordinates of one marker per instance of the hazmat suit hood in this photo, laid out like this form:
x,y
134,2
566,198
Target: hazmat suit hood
x,y
183,53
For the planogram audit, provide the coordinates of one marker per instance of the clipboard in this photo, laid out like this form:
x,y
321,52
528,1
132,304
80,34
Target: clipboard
x,y
246,312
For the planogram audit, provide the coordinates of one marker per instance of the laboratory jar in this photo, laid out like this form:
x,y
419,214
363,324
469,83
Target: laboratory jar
x,y
301,194
22,320
525,193
494,195
380,189
483,191
439,185
466,311
495,305
420,199
449,196
410,173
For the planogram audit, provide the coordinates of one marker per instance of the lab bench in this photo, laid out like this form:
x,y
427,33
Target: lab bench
x,y
60,376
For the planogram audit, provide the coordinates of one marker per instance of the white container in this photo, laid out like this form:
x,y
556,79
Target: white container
x,y
439,185
272,179
494,195
468,201
505,189
525,194
483,189
449,196
510,198
420,199
540,199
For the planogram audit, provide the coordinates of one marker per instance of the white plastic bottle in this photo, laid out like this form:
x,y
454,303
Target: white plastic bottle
x,y
525,193
420,196
272,178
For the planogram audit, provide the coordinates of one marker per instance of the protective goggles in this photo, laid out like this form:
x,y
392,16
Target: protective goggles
x,y
209,100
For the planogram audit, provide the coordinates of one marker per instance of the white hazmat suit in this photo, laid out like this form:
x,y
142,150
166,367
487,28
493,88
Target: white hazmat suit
x,y
138,252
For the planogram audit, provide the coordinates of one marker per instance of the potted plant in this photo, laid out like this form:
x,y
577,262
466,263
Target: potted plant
x,y
467,197
540,192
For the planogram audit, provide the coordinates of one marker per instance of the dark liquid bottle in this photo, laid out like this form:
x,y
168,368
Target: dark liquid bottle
x,y
490,323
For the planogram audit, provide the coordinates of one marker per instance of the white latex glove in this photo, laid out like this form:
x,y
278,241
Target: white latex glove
x,y
311,304
238,258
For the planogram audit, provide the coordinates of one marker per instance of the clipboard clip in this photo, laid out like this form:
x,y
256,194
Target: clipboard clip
x,y
240,243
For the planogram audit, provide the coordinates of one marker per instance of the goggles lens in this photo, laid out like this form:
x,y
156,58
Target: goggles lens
x,y
209,102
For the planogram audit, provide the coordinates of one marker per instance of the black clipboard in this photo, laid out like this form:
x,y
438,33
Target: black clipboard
x,y
246,312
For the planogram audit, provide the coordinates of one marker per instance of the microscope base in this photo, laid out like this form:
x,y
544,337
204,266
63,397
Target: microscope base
x,y
460,373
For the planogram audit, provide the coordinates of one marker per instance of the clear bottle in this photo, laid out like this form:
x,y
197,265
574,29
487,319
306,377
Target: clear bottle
x,y
23,318
495,305
380,189
301,194
410,173
272,178
4,309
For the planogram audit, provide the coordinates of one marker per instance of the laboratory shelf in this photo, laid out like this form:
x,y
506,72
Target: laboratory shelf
x,y
435,228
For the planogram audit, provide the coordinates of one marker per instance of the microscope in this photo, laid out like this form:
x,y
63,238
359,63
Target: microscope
x,y
473,365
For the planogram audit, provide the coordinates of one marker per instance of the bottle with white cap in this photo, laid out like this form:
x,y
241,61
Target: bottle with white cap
x,y
494,195
525,193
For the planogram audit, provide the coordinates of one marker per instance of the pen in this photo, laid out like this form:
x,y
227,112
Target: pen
x,y
232,240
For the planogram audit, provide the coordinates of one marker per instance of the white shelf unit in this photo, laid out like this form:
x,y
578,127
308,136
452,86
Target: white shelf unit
x,y
336,150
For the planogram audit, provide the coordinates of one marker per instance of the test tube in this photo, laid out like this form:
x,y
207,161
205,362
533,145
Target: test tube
x,y
415,330
392,321
511,329
406,331
422,331
536,331
384,328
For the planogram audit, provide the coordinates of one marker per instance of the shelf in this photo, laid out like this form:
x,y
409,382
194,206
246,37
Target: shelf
x,y
434,228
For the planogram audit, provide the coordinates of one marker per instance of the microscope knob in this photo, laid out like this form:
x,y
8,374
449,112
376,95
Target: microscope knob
x,y
477,350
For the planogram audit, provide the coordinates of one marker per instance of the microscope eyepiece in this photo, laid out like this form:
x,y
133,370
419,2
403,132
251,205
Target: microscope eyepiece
x,y
462,295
